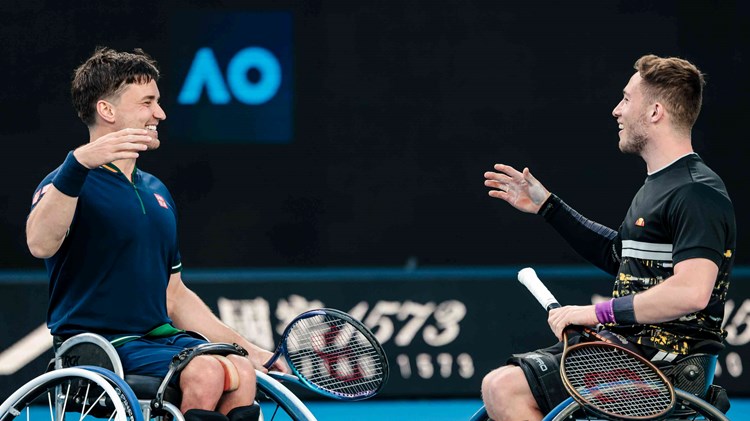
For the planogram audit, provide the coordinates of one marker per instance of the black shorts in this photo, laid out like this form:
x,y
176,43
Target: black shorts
x,y
542,371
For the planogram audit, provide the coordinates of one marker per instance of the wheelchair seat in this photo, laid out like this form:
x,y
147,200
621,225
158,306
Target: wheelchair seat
x,y
93,349
694,374
101,390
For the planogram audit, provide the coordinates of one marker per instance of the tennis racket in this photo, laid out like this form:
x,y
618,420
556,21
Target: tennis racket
x,y
333,354
608,379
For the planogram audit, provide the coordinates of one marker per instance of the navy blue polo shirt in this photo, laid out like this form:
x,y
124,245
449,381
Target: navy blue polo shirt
x,y
110,275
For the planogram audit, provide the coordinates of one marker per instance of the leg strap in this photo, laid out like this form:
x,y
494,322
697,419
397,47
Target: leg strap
x,y
542,371
231,375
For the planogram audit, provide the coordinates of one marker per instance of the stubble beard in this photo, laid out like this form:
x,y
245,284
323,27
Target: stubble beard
x,y
637,140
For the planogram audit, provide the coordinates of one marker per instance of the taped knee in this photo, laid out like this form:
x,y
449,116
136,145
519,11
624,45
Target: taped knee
x,y
231,375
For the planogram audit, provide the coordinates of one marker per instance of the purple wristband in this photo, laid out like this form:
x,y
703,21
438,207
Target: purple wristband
x,y
605,313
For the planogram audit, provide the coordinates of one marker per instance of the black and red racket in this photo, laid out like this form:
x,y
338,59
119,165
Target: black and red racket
x,y
606,378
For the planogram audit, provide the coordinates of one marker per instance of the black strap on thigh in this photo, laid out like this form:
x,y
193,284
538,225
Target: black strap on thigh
x,y
542,370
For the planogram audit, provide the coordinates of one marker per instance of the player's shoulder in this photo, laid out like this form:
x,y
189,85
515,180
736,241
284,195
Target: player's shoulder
x,y
150,179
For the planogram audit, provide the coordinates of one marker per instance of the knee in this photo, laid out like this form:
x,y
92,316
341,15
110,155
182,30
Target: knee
x,y
498,381
245,369
502,386
203,372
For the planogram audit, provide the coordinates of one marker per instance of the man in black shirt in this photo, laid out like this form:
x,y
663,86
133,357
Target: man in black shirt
x,y
671,257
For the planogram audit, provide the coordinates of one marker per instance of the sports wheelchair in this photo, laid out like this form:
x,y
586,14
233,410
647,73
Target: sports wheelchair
x,y
86,378
696,397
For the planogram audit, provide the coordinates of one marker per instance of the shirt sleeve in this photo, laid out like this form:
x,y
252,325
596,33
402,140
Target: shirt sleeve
x,y
701,218
41,190
596,243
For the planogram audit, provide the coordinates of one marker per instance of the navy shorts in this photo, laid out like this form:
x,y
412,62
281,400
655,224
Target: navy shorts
x,y
151,356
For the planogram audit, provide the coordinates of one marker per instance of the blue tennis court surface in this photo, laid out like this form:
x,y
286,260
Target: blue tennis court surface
x,y
435,410
402,410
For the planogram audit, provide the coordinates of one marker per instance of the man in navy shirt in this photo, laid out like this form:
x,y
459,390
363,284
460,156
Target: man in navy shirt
x,y
671,256
108,233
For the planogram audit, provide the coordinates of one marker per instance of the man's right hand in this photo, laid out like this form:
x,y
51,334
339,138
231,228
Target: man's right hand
x,y
520,189
123,144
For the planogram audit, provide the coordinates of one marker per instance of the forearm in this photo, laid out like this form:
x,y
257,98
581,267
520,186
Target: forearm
x,y
49,222
687,291
662,304
594,242
188,312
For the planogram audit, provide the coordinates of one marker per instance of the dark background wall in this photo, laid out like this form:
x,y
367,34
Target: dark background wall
x,y
398,109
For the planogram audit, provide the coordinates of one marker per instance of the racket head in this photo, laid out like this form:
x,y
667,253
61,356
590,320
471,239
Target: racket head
x,y
616,383
335,355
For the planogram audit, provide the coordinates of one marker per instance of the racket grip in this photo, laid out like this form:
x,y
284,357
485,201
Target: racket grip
x,y
528,277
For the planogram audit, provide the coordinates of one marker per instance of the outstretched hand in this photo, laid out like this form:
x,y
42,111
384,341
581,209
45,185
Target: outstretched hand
x,y
520,189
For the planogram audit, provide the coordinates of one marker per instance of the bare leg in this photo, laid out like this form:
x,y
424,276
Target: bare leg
x,y
507,396
202,384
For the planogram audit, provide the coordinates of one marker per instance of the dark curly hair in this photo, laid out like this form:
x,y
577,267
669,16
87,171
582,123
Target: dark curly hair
x,y
103,74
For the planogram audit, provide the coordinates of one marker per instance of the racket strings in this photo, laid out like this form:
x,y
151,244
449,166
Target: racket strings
x,y
335,356
614,382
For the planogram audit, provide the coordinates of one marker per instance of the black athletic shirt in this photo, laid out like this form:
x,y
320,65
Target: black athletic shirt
x,y
681,212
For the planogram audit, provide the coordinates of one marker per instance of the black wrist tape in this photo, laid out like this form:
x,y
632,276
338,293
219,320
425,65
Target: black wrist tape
x,y
624,311
71,176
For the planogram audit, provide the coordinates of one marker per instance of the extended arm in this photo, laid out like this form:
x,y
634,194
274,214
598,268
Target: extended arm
x,y
594,242
189,312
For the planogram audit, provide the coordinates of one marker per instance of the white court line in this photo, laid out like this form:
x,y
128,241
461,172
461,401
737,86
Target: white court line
x,y
26,350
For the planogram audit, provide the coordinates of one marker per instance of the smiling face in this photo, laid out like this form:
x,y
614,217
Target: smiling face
x,y
631,114
137,106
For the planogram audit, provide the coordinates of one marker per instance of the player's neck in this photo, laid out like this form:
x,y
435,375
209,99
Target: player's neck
x,y
126,166
661,154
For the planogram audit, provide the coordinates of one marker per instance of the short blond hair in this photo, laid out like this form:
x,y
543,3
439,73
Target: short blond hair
x,y
676,83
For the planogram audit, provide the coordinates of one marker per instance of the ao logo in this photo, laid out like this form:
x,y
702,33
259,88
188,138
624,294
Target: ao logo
x,y
205,72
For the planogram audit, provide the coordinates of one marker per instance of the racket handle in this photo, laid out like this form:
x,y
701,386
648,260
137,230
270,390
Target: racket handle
x,y
528,278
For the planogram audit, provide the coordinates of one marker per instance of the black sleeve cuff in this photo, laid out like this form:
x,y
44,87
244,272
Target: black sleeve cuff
x,y
553,202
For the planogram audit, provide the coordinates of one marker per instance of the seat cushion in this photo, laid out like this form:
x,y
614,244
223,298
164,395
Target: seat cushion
x,y
145,387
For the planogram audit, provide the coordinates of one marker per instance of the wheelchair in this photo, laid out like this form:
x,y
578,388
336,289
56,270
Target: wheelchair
x,y
86,379
697,398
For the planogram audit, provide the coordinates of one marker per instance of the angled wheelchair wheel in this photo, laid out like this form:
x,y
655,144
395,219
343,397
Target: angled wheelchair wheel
x,y
687,407
480,415
73,392
277,402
